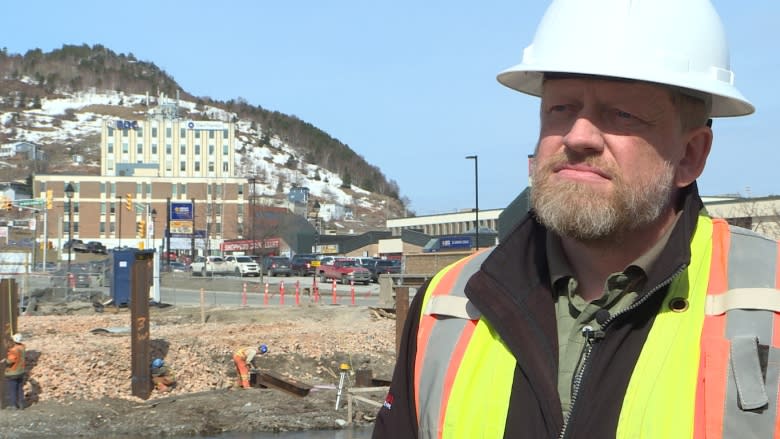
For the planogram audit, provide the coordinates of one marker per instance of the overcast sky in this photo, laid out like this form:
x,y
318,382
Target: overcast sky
x,y
408,85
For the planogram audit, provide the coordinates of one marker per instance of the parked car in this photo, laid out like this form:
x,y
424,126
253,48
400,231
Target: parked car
x,y
176,267
301,264
209,265
277,265
383,266
243,265
76,245
97,247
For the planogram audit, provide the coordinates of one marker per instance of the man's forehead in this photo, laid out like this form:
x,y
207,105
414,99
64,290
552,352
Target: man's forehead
x,y
579,81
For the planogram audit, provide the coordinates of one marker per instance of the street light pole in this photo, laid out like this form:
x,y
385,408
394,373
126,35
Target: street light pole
x,y
476,198
69,194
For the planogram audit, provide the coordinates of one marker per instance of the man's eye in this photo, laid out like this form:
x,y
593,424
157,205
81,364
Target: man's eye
x,y
558,108
624,114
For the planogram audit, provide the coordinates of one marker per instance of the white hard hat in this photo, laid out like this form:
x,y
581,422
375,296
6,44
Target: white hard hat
x,y
17,338
670,42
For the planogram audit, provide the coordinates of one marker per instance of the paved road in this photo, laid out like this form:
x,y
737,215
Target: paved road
x,y
184,289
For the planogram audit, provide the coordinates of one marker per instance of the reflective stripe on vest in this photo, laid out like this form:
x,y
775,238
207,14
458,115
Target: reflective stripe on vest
x,y
684,382
737,395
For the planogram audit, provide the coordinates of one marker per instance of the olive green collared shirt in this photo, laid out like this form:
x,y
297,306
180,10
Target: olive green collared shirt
x,y
573,313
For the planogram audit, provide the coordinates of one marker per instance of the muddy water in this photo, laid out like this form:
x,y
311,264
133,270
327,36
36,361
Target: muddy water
x,y
358,433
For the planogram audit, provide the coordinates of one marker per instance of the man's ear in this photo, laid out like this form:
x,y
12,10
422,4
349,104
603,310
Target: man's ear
x,y
697,149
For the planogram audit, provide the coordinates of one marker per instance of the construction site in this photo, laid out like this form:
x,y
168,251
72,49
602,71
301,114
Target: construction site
x,y
327,366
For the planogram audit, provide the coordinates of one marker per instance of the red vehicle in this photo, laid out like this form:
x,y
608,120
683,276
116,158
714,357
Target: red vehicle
x,y
344,270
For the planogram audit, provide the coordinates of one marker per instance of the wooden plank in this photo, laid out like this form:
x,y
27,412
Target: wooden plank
x,y
289,385
368,389
367,401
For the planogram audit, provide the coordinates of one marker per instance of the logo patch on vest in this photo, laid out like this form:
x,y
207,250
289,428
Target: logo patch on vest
x,y
388,404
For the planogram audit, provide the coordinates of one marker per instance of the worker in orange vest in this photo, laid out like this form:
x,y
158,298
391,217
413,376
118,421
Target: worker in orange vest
x,y
14,372
243,358
162,376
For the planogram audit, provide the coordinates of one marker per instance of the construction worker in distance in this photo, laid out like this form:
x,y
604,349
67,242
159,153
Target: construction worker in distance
x,y
616,307
162,376
243,359
14,372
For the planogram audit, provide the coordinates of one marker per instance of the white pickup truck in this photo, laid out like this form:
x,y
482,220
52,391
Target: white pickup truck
x,y
242,266
209,265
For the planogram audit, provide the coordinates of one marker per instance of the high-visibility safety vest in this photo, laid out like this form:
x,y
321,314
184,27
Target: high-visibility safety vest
x,y
16,365
709,367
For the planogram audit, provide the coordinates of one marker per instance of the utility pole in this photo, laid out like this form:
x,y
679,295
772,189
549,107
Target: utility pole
x,y
476,196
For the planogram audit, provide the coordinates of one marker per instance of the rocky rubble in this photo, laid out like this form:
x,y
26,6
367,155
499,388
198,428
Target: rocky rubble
x,y
71,365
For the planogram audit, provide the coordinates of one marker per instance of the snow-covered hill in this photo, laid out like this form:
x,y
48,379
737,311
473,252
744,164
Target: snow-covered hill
x,y
68,124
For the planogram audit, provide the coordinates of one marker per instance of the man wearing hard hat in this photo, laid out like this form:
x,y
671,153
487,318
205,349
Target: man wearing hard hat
x,y
243,360
616,307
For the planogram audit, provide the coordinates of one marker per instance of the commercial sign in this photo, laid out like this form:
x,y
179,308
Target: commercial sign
x,y
182,210
454,242
181,221
248,244
181,227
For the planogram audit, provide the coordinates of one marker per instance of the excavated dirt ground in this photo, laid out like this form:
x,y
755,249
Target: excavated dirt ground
x,y
79,381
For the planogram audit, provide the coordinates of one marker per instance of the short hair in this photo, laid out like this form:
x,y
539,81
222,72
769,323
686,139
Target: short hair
x,y
693,107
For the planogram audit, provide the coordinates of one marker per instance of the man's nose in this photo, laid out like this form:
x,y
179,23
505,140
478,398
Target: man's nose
x,y
584,136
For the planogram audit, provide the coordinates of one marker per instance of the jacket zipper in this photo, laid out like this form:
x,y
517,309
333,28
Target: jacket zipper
x,y
593,336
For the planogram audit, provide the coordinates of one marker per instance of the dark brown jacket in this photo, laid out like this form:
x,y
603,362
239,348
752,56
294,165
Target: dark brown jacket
x,y
512,290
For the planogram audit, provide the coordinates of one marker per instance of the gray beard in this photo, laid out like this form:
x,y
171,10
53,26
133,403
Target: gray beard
x,y
572,210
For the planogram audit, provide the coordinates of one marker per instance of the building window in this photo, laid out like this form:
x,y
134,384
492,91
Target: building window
x,y
168,132
211,134
102,228
139,132
197,134
240,188
110,131
211,166
182,132
168,166
225,149
224,134
168,149
124,132
219,190
139,149
113,227
197,166
154,149
219,209
154,131
110,147
139,189
197,149
102,188
125,148
219,228
224,166
183,149
211,149
183,166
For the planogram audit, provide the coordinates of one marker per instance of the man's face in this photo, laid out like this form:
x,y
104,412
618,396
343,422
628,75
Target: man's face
x,y
606,159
